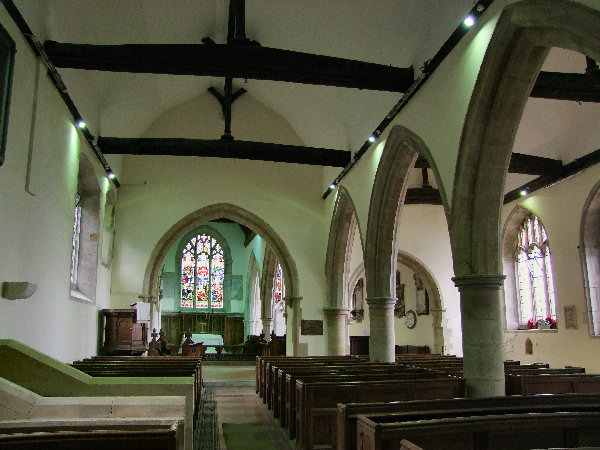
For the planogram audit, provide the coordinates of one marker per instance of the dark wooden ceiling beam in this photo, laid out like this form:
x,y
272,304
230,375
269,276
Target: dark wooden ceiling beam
x,y
260,151
419,196
568,86
519,163
231,60
534,165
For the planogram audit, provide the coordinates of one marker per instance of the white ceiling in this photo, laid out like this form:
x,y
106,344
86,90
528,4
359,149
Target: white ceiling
x,y
400,33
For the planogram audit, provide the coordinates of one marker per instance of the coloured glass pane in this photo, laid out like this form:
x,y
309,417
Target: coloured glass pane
x,y
187,278
278,287
217,275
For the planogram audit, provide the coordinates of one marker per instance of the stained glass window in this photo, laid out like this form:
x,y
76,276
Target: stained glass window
x,y
202,273
535,285
278,287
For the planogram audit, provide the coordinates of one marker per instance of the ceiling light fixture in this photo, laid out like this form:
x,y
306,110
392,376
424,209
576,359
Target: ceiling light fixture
x,y
81,124
332,186
372,138
469,21
524,192
110,175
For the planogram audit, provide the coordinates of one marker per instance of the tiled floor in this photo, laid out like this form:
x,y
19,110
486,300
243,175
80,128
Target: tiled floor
x,y
237,401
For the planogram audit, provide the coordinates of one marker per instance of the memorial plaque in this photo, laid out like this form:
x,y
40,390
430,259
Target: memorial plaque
x,y
311,328
570,316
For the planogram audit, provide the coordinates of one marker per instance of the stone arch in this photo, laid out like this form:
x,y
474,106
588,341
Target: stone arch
x,y
589,249
387,196
435,297
213,212
521,40
381,247
343,224
227,259
266,283
253,307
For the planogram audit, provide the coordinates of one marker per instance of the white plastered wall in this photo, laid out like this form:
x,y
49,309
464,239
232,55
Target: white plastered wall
x,y
156,192
36,223
560,208
423,233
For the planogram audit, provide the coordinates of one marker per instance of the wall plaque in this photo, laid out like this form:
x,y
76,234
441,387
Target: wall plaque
x,y
237,288
311,328
570,316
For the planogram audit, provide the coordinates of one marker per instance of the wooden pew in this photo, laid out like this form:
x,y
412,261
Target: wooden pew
x,y
527,384
275,378
518,428
316,402
92,434
290,400
412,350
263,366
348,413
286,395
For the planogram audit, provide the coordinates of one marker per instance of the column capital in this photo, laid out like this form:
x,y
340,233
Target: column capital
x,y
479,282
290,302
335,311
381,302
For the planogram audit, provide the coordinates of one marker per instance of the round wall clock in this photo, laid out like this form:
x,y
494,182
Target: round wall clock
x,y
410,319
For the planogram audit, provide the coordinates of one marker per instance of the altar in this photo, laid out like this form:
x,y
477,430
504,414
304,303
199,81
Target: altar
x,y
207,340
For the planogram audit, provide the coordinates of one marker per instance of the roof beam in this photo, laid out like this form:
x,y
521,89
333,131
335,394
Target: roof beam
x,y
533,165
568,86
231,60
259,151
425,195
519,163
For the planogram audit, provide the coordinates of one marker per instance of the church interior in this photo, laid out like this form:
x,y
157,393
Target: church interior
x,y
377,181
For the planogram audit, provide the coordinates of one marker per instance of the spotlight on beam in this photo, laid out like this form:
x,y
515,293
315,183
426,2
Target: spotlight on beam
x,y
469,21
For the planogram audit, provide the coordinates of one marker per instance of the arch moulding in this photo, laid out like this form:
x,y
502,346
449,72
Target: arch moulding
x,y
213,212
387,196
521,40
339,249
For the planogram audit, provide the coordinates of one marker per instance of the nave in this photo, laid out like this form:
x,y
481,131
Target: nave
x,y
239,410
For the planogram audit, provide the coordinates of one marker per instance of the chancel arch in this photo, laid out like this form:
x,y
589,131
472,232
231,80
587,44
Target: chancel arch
x,y
523,36
211,213
387,196
343,230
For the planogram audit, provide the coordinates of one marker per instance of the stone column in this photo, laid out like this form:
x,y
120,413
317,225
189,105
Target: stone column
x,y
249,326
382,341
267,327
293,323
481,315
337,331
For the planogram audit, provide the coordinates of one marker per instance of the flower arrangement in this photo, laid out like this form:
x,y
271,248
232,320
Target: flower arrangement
x,y
542,324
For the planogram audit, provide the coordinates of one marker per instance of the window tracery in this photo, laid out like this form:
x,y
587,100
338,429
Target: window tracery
x,y
533,276
202,273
